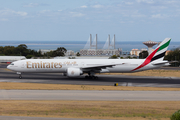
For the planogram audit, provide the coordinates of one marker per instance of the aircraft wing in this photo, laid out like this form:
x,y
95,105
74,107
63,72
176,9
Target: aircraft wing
x,y
99,66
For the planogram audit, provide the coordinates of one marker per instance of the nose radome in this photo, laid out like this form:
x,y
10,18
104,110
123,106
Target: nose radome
x,y
8,66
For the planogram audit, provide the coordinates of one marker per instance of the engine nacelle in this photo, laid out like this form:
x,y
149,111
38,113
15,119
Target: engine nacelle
x,y
74,72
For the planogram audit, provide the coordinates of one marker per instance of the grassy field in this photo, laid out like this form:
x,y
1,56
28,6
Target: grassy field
x,y
160,73
38,86
122,110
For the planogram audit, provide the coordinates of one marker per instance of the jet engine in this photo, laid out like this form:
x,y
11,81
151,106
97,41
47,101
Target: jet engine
x,y
74,72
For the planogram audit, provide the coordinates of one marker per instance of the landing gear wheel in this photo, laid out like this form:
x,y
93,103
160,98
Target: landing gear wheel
x,y
20,77
91,77
19,73
94,77
86,77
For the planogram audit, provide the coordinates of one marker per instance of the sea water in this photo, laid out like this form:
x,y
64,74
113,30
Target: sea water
x,y
77,45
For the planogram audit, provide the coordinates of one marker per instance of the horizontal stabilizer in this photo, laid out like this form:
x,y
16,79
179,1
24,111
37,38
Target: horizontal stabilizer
x,y
160,62
163,62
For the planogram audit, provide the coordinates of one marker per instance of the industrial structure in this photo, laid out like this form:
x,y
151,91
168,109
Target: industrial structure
x,y
149,44
91,48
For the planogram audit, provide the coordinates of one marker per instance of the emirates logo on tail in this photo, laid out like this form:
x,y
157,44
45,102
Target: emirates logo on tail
x,y
158,53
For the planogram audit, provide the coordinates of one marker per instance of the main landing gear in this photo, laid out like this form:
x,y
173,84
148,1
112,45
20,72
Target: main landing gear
x,y
91,75
19,73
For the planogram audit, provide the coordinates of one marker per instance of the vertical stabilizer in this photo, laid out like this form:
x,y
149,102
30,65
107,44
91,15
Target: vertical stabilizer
x,y
161,50
157,55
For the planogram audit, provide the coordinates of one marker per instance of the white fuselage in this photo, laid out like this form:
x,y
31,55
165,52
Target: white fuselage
x,y
61,65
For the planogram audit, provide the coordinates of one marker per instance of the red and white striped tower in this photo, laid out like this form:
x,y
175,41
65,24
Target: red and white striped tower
x,y
149,44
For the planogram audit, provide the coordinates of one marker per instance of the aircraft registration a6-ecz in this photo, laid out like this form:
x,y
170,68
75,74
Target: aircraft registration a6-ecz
x,y
77,67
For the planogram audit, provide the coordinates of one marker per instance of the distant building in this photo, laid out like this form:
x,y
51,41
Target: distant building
x,y
91,52
69,53
98,52
135,52
125,53
167,52
83,52
120,51
111,52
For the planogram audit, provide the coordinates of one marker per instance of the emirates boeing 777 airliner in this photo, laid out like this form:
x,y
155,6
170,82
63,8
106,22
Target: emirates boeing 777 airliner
x,y
77,67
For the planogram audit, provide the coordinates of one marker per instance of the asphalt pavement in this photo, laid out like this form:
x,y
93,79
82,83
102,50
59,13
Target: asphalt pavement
x,y
90,95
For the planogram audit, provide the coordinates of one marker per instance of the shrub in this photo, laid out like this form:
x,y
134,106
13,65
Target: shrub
x,y
29,56
113,57
175,116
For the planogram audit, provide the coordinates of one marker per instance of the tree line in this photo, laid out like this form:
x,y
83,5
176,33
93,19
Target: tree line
x,y
174,55
22,50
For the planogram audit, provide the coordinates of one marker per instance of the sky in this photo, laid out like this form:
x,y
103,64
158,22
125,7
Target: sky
x,y
75,20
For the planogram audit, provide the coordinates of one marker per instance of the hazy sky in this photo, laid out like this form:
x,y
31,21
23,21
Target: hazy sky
x,y
130,20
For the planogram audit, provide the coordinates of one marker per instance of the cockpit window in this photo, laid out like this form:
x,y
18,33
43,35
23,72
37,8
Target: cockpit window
x,y
12,64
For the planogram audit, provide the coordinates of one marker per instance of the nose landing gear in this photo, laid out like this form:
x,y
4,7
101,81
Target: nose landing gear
x,y
19,73
20,77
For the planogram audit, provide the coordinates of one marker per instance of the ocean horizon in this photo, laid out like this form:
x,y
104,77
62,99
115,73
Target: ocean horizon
x,y
77,45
